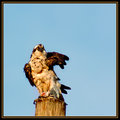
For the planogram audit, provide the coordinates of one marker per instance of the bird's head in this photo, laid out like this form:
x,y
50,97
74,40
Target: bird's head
x,y
39,48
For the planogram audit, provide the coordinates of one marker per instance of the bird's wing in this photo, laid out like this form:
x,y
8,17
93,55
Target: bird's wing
x,y
63,87
54,58
27,70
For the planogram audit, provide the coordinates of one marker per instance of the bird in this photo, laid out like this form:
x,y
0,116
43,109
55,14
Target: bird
x,y
40,71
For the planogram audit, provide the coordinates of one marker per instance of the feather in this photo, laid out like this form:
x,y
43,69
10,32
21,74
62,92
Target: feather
x,y
63,87
54,58
27,70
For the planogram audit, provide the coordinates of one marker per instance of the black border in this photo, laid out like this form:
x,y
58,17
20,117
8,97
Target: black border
x,y
53,2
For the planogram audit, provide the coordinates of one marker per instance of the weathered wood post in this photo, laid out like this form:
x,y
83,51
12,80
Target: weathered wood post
x,y
49,106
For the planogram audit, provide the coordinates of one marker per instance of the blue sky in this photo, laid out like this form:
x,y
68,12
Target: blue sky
x,y
84,32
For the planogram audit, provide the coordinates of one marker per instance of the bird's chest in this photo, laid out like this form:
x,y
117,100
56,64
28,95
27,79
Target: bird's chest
x,y
45,75
36,65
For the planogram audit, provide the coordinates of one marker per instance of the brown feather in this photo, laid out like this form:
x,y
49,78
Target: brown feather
x,y
54,58
63,87
27,70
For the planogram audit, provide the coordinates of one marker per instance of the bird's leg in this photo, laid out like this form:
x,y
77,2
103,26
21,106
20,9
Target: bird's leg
x,y
47,93
53,93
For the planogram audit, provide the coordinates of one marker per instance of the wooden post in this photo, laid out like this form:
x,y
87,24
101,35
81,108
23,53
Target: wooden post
x,y
49,106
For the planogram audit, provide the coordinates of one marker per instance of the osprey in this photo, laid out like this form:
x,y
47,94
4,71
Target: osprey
x,y
40,72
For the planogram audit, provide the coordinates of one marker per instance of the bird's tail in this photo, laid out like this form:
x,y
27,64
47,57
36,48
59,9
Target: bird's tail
x,y
63,87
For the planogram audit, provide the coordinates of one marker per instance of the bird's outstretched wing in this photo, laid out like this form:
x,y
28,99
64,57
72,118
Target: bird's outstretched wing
x,y
63,87
54,58
27,70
